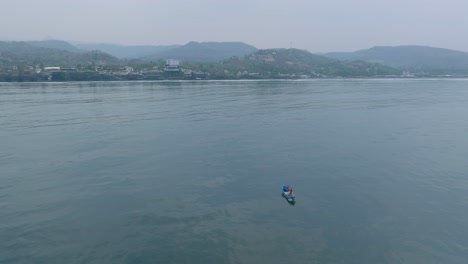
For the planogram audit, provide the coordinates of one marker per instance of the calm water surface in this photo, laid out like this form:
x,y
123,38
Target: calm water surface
x,y
190,172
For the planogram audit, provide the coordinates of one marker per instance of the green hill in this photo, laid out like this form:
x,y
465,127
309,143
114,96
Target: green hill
x,y
205,51
413,58
126,52
55,44
13,53
300,62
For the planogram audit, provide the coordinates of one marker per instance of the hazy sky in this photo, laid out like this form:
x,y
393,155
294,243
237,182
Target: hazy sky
x,y
315,25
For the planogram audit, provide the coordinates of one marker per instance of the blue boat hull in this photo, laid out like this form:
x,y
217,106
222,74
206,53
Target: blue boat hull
x,y
290,199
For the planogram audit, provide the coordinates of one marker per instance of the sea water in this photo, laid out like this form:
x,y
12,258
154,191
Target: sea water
x,y
191,172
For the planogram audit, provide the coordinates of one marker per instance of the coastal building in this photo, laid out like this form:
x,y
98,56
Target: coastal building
x,y
172,66
51,69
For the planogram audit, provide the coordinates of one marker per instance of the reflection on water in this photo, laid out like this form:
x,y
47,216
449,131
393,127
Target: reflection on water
x,y
190,172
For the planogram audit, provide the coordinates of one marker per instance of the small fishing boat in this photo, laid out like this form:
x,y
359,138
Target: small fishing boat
x,y
287,193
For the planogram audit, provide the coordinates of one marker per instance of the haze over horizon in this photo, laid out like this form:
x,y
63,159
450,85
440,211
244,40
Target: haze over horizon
x,y
319,26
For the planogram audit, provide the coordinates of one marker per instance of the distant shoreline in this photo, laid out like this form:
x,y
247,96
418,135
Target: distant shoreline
x,y
250,80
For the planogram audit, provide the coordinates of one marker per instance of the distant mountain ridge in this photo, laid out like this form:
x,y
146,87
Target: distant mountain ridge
x,y
62,53
126,52
205,51
55,44
418,58
238,57
302,62
192,51
13,53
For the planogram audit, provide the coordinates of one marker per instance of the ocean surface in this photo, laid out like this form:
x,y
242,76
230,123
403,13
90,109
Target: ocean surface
x,y
191,172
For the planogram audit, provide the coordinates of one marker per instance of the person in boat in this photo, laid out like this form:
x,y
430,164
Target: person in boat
x,y
287,188
290,192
